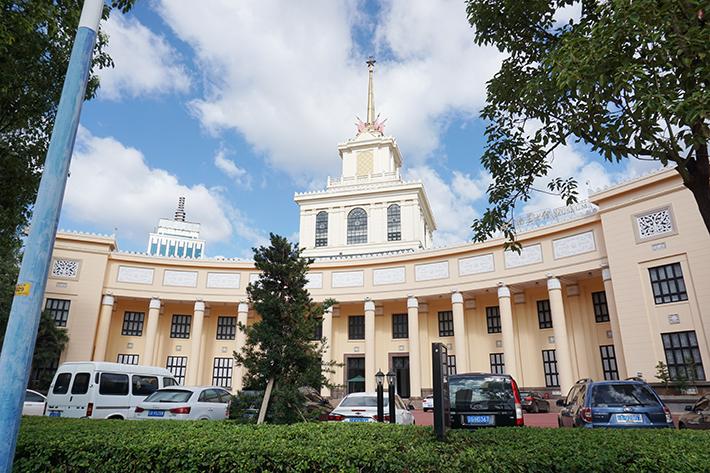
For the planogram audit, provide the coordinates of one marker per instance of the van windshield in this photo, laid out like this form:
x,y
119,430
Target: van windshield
x,y
169,395
615,395
481,393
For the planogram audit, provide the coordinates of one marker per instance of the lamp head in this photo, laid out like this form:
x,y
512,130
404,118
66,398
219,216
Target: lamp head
x,y
380,377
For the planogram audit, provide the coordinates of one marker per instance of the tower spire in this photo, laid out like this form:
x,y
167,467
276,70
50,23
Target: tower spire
x,y
180,212
371,92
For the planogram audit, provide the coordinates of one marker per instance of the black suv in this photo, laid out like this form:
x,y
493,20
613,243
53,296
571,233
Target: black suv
x,y
484,400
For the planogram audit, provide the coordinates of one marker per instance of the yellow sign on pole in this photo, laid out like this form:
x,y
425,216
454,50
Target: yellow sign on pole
x,y
23,289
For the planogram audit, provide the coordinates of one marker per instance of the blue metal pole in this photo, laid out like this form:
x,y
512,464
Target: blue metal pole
x,y
21,334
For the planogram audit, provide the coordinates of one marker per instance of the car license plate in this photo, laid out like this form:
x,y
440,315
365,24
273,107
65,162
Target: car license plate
x,y
55,413
358,419
629,418
152,413
478,420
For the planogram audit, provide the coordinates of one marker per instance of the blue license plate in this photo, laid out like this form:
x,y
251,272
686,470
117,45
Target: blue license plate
x,y
55,413
358,419
478,420
629,418
152,413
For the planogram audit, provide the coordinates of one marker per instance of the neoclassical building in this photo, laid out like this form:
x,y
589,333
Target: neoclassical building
x,y
604,289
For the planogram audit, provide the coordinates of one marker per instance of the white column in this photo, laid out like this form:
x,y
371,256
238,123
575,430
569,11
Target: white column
x,y
239,371
508,331
102,331
194,363
415,357
370,359
559,327
328,348
151,331
459,333
615,325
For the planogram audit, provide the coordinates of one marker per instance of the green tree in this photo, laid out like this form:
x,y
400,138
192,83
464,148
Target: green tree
x,y
628,78
663,374
281,345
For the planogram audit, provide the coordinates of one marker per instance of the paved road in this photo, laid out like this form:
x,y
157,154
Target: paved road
x,y
531,420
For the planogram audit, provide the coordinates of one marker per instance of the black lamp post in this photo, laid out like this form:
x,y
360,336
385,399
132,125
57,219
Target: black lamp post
x,y
380,378
391,379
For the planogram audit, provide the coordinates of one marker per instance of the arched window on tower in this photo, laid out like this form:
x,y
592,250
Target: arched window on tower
x,y
394,223
322,228
357,226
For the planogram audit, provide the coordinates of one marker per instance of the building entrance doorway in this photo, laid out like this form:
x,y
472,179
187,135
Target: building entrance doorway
x,y
400,366
355,374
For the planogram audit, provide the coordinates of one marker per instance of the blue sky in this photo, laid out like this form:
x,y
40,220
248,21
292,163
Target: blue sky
x,y
237,105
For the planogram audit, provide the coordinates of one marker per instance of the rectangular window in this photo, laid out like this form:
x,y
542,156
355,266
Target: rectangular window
x,y
61,385
683,356
59,310
127,359
318,331
222,372
113,384
400,326
355,374
144,385
601,310
446,324
226,328
609,367
544,314
81,383
177,365
356,327
549,363
133,324
180,328
668,284
497,363
493,319
451,364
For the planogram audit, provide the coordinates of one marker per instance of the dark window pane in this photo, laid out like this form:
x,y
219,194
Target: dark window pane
x,y
222,372
81,383
133,324
609,362
127,359
61,386
177,366
180,327
549,363
601,310
683,356
356,327
144,385
59,310
446,324
451,364
394,223
322,229
357,226
400,326
544,314
667,283
493,319
226,328
113,384
497,363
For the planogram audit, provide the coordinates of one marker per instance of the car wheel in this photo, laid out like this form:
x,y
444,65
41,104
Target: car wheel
x,y
535,409
559,423
681,426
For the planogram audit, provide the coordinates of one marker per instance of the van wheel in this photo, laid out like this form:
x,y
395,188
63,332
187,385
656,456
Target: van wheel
x,y
681,426
115,418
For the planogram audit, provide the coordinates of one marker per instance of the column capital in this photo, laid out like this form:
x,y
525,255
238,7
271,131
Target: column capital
x,y
243,307
456,298
412,302
553,284
328,311
606,273
154,303
107,300
199,306
369,305
503,291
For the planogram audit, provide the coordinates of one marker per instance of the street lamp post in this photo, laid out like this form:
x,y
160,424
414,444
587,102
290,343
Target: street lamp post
x,y
391,379
380,378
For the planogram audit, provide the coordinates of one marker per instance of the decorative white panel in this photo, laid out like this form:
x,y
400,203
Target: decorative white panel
x,y
427,272
65,268
388,276
574,245
476,265
528,255
347,279
223,280
135,275
180,278
655,223
315,281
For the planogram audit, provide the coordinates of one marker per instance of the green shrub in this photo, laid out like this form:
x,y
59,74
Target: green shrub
x,y
69,445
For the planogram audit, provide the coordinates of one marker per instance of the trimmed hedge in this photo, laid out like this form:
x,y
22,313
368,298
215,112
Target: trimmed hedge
x,y
73,445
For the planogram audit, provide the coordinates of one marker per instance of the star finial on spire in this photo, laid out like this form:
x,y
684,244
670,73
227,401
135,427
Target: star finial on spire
x,y
373,123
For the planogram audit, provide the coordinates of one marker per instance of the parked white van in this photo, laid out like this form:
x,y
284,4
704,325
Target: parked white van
x,y
101,390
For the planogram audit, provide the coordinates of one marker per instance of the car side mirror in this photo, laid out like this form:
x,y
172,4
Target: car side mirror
x,y
561,402
688,408
410,407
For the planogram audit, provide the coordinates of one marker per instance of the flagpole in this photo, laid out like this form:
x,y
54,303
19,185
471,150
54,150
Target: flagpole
x,y
21,334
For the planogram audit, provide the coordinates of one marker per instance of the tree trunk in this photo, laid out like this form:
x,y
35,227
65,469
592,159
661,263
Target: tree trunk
x,y
265,401
698,181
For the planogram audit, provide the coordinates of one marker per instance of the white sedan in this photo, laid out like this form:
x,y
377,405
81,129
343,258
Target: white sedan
x,y
185,403
362,407
428,403
34,403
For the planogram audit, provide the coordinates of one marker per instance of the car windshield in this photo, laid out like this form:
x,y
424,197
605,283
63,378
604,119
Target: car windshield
x,y
609,395
169,395
362,401
481,393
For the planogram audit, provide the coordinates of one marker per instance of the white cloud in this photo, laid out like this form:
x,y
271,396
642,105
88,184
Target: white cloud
x,y
112,185
452,204
290,77
145,64
239,175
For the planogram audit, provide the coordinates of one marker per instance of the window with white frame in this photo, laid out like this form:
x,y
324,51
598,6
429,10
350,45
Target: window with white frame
x,y
127,358
59,310
357,226
222,372
177,365
322,228
132,324
497,363
394,223
668,284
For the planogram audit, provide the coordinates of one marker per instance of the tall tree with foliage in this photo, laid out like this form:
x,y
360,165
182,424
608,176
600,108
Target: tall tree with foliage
x,y
36,37
629,78
281,345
